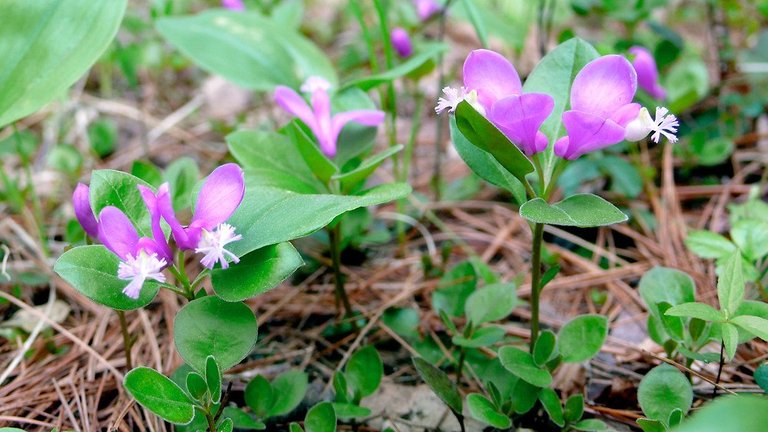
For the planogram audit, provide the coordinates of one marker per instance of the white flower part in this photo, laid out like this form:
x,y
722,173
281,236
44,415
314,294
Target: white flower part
x,y
664,124
212,246
315,83
453,98
138,269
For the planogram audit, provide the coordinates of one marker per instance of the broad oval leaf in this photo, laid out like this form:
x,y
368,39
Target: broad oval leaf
x,y
707,244
662,284
552,405
732,413
320,418
289,389
157,393
483,410
92,270
47,46
521,364
580,210
663,390
581,338
491,303
119,189
213,379
256,273
247,48
259,396
348,411
211,326
545,348
364,371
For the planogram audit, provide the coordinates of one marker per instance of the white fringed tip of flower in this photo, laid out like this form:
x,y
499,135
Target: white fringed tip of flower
x,y
212,245
138,269
663,124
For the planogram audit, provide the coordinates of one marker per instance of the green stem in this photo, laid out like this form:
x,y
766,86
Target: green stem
x,y
460,366
538,238
334,236
127,341
719,369
211,421
181,276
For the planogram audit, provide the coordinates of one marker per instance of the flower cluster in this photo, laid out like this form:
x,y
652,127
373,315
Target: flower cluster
x,y
601,109
143,258
318,117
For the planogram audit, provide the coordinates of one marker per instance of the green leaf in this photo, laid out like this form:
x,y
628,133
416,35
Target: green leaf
x,y
148,172
364,371
440,383
453,289
591,425
196,385
707,244
730,336
491,303
761,376
103,136
92,270
247,48
483,410
666,285
521,364
625,177
226,425
552,405
119,189
288,389
318,163
470,8
295,427
485,165
554,75
747,413
211,326
662,390
580,210
648,425
320,418
259,396
423,55
299,214
352,178
256,273
159,394
688,83
340,387
482,337
751,236
574,408
755,325
480,132
730,285
696,310
50,44
545,348
182,175
348,411
213,379
581,338
242,420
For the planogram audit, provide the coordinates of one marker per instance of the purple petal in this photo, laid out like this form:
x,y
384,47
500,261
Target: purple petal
x,y
586,133
364,117
181,235
603,86
492,76
236,5
426,8
323,129
626,114
647,72
117,232
150,199
294,104
219,197
81,201
401,42
520,118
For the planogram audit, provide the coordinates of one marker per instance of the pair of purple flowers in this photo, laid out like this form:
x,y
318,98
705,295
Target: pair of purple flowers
x,y
602,112
143,258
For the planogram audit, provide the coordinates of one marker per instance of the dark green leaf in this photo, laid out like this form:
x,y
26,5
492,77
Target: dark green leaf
x,y
761,377
213,379
364,371
256,273
440,383
552,405
159,394
581,210
259,396
288,389
574,408
662,390
545,348
491,303
483,410
321,418
581,338
521,364
196,385
348,411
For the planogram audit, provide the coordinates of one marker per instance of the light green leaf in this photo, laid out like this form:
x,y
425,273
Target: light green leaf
x,y
482,337
213,379
574,408
491,303
364,371
591,425
348,411
196,385
755,325
247,48
666,285
521,364
353,178
119,189
580,210
552,405
581,338
211,326
730,285
92,270
256,273
259,396
289,389
696,310
545,348
483,410
421,56
47,46
320,418
159,394
707,244
663,390
751,236
730,335
743,413
182,175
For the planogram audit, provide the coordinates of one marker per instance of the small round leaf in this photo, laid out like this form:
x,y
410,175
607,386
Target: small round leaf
x,y
663,390
159,394
582,337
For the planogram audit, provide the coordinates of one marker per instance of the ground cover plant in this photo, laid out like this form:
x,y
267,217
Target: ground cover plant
x,y
385,215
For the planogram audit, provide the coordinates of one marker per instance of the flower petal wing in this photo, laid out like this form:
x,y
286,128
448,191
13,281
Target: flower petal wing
x,y
491,75
219,197
294,104
81,201
520,117
603,86
117,232
586,133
